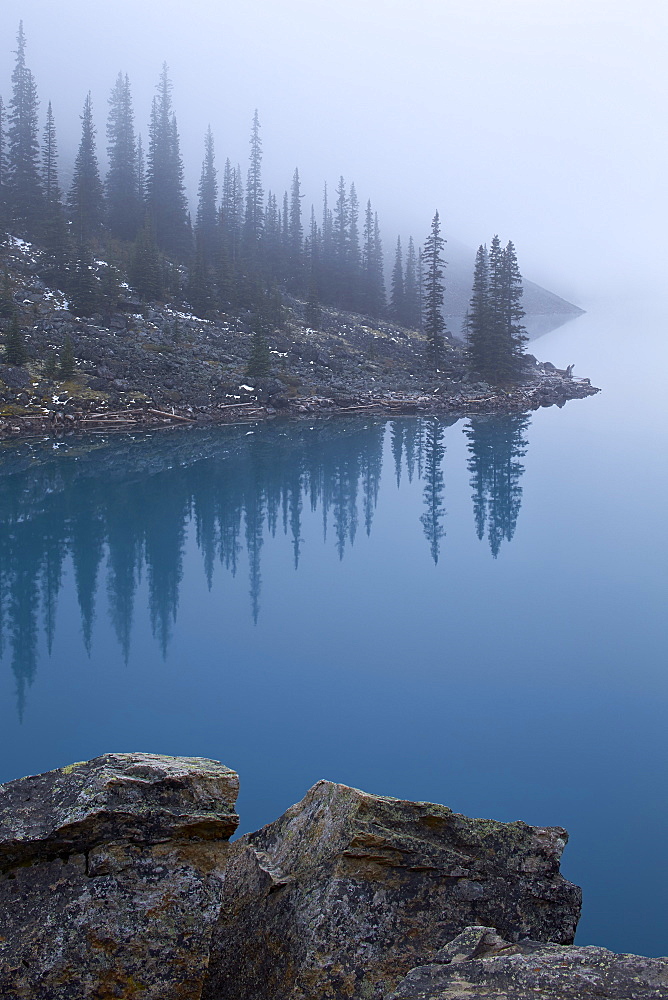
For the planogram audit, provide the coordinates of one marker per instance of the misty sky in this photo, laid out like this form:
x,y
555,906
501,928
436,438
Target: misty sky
x,y
542,120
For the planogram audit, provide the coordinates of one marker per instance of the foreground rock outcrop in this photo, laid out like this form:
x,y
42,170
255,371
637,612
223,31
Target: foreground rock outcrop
x,y
479,965
109,877
346,891
117,879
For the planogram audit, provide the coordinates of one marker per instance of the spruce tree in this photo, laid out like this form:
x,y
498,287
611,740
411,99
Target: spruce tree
x,y
55,236
340,243
254,220
85,200
146,270
141,175
411,314
67,366
478,325
434,266
513,311
23,176
397,297
3,168
295,233
15,345
122,183
327,266
495,334
259,363
7,305
206,225
50,161
354,256
373,281
165,192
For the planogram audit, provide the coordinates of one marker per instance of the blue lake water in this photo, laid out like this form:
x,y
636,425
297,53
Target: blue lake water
x,y
468,613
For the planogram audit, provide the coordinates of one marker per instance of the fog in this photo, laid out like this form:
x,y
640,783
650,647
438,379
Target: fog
x,y
542,120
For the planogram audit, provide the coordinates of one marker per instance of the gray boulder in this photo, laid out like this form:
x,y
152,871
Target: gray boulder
x,y
109,883
479,965
346,891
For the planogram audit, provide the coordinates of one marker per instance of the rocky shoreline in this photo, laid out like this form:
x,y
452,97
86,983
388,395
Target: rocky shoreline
x,y
118,879
266,400
146,365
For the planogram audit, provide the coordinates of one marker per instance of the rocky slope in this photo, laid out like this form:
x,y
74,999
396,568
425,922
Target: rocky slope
x,y
148,364
117,879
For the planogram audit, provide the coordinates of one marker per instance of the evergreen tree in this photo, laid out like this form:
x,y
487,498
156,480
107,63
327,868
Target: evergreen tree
x,y
122,183
4,206
478,326
141,174
146,270
326,250
272,241
206,225
373,280
340,243
25,189
7,306
55,235
231,213
165,192
496,445
434,265
295,233
254,220
397,296
85,200
513,311
432,518
411,314
15,345
259,363
67,362
50,161
199,288
354,258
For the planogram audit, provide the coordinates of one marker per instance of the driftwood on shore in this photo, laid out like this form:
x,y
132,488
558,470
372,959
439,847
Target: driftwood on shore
x,y
71,418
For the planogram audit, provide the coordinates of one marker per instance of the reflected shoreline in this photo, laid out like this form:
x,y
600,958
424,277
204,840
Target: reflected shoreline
x,y
119,509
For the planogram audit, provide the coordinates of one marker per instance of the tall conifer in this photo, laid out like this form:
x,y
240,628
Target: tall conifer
x,y
434,266
397,298
411,316
85,199
295,232
254,221
122,183
25,189
206,225
165,192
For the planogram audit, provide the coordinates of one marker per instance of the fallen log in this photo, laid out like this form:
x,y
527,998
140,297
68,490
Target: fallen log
x,y
235,406
172,416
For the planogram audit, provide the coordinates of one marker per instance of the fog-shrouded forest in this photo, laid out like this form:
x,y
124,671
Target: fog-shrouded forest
x,y
243,249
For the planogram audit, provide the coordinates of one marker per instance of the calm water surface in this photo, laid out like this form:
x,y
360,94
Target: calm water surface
x,y
469,613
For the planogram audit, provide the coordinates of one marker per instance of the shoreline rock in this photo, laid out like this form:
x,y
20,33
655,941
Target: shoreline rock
x,y
118,880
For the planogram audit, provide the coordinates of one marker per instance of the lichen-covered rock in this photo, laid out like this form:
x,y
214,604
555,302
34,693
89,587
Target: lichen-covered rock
x,y
346,892
110,877
480,965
